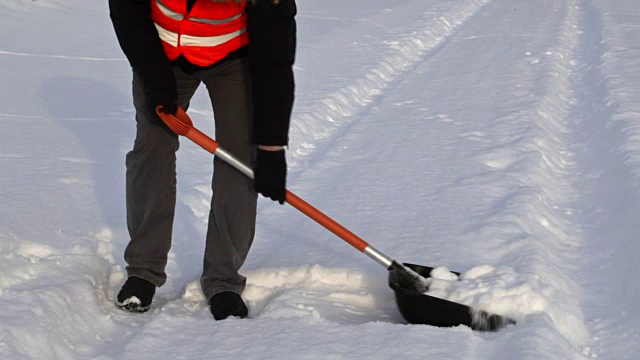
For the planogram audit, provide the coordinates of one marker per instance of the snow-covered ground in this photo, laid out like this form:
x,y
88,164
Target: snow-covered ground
x,y
499,135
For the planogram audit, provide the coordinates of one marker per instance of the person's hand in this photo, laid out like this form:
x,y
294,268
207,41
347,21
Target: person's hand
x,y
169,108
270,173
166,99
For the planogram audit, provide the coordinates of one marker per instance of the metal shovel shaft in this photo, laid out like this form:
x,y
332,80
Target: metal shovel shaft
x,y
182,125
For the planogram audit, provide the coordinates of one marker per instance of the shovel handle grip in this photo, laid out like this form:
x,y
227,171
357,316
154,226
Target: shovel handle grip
x,y
202,139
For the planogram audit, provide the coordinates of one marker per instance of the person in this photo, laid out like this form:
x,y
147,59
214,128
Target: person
x,y
243,52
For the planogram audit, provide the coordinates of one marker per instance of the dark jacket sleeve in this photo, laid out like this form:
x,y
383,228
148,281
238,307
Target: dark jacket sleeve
x,y
142,46
272,47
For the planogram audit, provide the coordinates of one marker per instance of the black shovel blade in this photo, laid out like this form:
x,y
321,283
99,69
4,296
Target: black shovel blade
x,y
418,308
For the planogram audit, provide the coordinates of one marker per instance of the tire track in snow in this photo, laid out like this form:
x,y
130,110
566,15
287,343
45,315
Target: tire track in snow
x,y
536,224
314,126
610,162
585,181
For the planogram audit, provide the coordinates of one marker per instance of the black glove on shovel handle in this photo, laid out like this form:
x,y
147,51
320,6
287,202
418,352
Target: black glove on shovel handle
x,y
163,100
270,174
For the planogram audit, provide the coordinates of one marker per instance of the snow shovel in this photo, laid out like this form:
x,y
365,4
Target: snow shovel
x,y
408,280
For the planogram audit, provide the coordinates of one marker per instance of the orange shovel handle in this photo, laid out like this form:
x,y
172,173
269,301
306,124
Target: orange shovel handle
x,y
326,221
182,125
203,140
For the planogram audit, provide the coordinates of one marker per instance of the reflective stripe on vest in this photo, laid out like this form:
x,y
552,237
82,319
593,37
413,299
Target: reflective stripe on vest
x,y
186,40
177,16
168,12
167,36
202,40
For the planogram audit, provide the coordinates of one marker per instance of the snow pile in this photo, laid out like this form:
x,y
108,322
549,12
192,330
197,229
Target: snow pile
x,y
498,290
52,301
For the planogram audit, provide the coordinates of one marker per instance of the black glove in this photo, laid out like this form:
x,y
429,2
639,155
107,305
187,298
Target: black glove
x,y
270,174
166,99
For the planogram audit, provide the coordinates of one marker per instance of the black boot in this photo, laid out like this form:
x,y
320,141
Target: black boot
x,y
136,295
227,304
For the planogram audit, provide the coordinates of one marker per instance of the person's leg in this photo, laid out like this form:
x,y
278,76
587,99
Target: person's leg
x,y
151,185
231,226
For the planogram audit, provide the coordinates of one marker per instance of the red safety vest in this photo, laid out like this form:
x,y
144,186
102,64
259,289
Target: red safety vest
x,y
204,35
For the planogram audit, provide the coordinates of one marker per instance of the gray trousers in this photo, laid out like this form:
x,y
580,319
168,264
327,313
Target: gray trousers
x,y
151,182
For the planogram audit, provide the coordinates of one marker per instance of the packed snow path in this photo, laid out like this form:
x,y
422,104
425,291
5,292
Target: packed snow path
x,y
452,133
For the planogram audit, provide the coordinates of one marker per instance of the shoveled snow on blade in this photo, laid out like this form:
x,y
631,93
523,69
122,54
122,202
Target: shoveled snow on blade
x,y
495,290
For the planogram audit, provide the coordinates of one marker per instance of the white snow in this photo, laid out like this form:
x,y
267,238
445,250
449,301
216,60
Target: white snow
x,y
499,291
498,138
